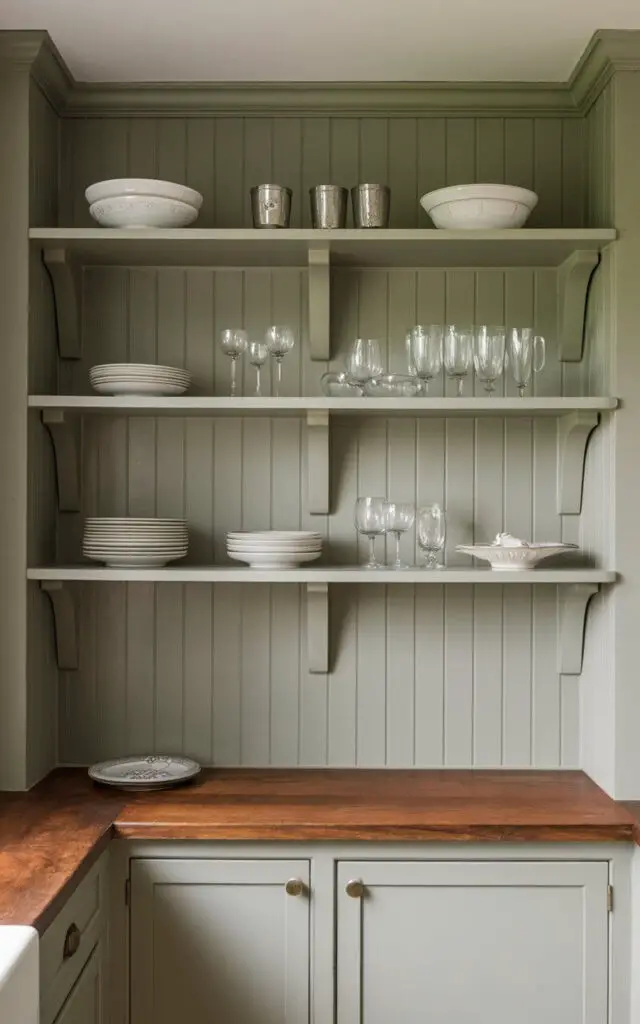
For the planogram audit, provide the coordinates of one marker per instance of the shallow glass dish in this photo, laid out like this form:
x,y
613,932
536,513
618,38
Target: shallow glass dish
x,y
393,385
341,385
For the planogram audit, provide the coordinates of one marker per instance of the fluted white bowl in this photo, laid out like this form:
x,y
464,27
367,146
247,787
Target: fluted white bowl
x,y
142,212
514,559
479,207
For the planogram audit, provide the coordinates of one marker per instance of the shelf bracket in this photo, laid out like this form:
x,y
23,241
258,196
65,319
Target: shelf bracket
x,y
572,617
574,277
574,431
64,623
65,450
318,628
319,302
318,462
63,274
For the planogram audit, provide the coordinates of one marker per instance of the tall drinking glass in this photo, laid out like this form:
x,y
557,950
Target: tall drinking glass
x,y
399,519
426,351
488,354
370,520
279,340
233,343
458,353
526,353
364,360
432,533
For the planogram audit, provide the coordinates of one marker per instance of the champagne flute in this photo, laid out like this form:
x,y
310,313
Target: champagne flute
x,y
431,533
426,352
279,340
458,352
233,343
488,355
258,355
399,519
370,520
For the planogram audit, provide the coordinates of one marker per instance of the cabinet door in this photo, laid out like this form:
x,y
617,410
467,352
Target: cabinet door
x,y
219,942
472,943
84,1003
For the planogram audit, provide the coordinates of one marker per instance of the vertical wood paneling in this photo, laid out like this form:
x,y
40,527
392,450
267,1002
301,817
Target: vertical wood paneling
x,y
227,660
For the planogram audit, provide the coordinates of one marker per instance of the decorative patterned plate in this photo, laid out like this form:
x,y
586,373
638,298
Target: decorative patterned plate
x,y
154,771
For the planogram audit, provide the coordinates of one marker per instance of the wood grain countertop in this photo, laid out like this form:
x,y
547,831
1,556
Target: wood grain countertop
x,y
55,832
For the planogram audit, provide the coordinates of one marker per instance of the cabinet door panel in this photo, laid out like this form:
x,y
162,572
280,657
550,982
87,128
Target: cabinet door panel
x,y
84,1003
468,943
219,942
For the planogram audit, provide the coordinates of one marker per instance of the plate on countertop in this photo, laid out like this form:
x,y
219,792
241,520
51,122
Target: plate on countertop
x,y
145,773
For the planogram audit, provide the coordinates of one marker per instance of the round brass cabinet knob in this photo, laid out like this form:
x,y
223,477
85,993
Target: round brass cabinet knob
x,y
355,888
294,887
71,942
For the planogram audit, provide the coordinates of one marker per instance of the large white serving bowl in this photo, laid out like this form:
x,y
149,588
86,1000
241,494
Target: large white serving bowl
x,y
508,559
142,212
479,207
273,559
114,187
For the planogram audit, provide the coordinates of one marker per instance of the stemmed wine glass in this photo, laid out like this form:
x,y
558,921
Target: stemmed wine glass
x,y
370,520
431,533
258,355
233,343
399,517
458,352
426,352
488,355
279,340
364,360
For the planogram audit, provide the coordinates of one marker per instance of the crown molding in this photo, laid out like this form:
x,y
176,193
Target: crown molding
x,y
35,52
609,52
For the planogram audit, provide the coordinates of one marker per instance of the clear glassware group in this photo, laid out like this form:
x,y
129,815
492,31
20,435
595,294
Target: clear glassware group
x,y
277,342
374,517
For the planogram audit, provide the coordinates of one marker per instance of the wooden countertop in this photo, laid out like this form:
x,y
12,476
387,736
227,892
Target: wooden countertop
x,y
50,835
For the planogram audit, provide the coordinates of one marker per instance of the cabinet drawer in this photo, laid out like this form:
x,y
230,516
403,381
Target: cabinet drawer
x,y
84,1003
69,940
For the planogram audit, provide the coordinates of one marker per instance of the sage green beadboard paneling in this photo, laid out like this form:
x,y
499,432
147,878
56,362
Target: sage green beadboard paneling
x,y
224,156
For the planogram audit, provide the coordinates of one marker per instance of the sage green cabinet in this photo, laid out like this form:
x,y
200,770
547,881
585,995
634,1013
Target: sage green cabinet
x,y
219,941
84,1004
472,942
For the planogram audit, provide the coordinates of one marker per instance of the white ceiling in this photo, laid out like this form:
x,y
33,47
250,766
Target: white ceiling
x,y
320,40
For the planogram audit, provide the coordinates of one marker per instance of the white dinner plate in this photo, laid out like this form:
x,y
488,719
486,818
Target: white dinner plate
x,y
272,560
274,535
113,561
154,771
140,390
131,520
141,367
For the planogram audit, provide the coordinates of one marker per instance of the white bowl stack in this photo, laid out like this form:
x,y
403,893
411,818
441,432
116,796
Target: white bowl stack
x,y
142,203
274,549
139,379
128,543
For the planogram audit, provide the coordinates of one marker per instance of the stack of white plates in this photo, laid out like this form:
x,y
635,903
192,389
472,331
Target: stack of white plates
x,y
135,543
142,203
138,379
274,549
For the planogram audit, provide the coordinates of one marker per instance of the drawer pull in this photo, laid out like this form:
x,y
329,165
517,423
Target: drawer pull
x,y
355,888
294,887
71,942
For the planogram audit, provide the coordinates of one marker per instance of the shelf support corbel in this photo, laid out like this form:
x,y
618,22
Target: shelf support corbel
x,y
572,616
319,302
65,450
64,623
63,274
318,462
574,277
318,628
574,431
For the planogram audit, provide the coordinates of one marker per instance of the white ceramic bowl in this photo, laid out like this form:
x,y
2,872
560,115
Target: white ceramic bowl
x,y
479,207
113,187
142,212
508,559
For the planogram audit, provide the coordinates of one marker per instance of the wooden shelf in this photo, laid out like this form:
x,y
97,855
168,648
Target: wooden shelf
x,y
524,247
319,574
209,406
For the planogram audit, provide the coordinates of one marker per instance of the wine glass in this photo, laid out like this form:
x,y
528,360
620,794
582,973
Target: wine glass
x,y
370,520
279,340
526,355
364,360
258,355
431,533
488,355
458,353
426,352
399,517
233,343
